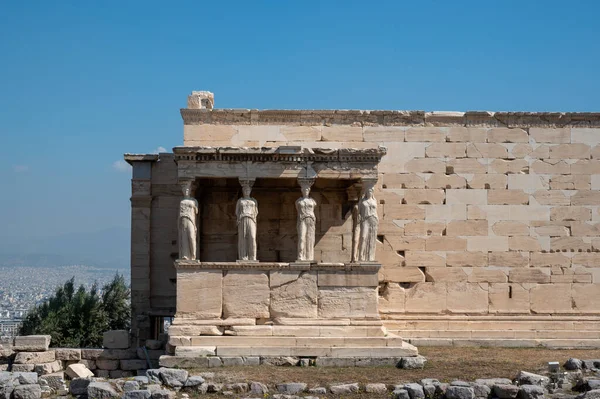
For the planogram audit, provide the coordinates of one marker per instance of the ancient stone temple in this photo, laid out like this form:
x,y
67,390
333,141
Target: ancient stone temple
x,y
358,233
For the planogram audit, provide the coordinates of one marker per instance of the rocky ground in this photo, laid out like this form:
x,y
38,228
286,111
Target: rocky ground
x,y
576,379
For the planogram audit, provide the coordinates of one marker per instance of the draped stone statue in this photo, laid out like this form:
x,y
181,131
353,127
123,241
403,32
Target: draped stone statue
x,y
368,223
246,211
305,225
188,212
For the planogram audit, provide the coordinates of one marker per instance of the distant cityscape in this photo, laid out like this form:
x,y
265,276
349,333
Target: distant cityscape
x,y
21,288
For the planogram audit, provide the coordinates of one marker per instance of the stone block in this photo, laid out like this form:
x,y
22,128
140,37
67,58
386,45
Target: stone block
x,y
446,150
552,231
586,297
200,293
508,259
489,212
467,228
48,368
503,166
445,274
589,136
550,135
424,196
574,213
342,133
392,299
402,212
352,302
425,165
591,259
472,196
425,259
586,167
445,243
133,364
524,244
524,212
551,298
466,259
426,134
589,229
426,298
22,368
107,364
78,370
487,181
487,244
67,354
116,339
551,167
527,275
403,153
439,180
507,135
507,197
301,133
583,197
508,228
508,298
91,354
402,274
487,275
486,150
117,354
246,294
573,244
353,278
467,134
297,297
32,343
539,259
570,151
35,357
466,297
423,228
445,212
527,182
178,330
383,133
403,181
570,182
466,165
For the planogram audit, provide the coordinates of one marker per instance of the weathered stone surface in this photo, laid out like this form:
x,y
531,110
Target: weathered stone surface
x,y
531,392
116,339
505,391
48,368
67,354
78,370
344,389
137,394
246,294
133,364
295,298
526,378
107,364
173,377
375,388
101,390
35,357
347,302
28,391
413,363
200,293
459,392
79,386
291,388
573,364
32,343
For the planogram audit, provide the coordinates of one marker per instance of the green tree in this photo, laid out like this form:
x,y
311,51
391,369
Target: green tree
x,y
78,318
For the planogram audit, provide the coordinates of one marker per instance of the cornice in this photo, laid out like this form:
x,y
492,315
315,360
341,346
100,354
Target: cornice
x,y
389,118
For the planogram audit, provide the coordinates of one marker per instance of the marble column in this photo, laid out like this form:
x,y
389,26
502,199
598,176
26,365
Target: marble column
x,y
306,222
187,223
246,211
368,221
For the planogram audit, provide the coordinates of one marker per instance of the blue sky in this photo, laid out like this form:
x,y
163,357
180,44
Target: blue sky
x,y
81,83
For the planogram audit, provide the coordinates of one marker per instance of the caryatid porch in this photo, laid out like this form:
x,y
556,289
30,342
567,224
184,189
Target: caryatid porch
x,y
279,303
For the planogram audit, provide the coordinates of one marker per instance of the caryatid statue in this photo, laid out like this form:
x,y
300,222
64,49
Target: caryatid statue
x,y
188,212
305,224
246,211
368,223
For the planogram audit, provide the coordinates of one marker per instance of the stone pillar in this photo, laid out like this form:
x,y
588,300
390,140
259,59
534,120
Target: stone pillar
x,y
187,223
246,211
306,222
368,221
141,208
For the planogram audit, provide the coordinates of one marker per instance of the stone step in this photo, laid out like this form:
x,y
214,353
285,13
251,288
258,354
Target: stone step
x,y
318,342
509,343
501,334
390,351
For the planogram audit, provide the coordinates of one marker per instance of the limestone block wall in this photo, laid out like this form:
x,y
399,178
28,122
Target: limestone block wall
x,y
481,214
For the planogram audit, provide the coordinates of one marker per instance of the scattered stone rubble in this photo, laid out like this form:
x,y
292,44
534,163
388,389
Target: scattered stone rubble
x,y
581,381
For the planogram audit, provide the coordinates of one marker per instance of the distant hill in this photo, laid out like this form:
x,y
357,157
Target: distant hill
x,y
107,248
